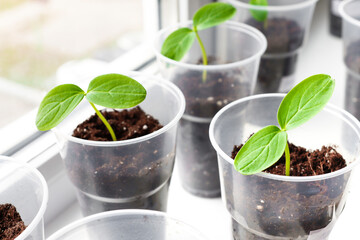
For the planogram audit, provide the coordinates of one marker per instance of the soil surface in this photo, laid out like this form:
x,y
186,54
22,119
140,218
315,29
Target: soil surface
x,y
11,224
127,124
206,98
306,163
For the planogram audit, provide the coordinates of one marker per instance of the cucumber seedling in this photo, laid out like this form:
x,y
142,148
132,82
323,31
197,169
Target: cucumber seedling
x,y
179,42
265,147
110,91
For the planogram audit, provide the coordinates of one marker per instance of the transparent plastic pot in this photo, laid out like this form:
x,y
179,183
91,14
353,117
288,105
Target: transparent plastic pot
x,y
268,206
132,173
349,11
128,225
24,187
285,28
234,52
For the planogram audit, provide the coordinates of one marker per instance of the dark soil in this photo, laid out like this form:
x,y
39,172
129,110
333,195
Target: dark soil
x,y
126,124
197,158
121,172
11,224
306,163
283,36
292,209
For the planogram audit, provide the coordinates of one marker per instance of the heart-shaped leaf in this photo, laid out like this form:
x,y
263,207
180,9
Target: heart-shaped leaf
x,y
115,91
261,151
57,105
305,100
213,14
178,43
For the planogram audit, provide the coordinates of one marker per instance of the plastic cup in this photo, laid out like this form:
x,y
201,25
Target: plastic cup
x,y
234,52
351,45
24,187
268,206
146,162
128,225
285,28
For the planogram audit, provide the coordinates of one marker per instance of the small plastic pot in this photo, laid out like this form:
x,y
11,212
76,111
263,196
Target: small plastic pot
x,y
132,173
128,225
349,11
24,187
268,206
285,28
234,52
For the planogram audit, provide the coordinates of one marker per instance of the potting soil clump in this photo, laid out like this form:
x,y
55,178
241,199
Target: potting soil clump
x,y
306,163
11,224
127,124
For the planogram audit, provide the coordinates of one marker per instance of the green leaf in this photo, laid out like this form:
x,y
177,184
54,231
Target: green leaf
x,y
305,100
178,43
115,91
261,151
259,15
57,105
213,14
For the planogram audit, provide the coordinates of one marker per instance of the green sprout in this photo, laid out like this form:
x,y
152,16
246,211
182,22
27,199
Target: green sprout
x,y
110,91
265,147
179,42
259,15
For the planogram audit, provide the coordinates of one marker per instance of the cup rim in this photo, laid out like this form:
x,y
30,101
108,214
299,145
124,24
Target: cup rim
x,y
169,86
40,214
329,107
255,33
295,6
346,16
127,212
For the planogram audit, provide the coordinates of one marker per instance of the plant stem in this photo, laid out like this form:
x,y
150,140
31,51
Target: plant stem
x,y
107,125
287,160
265,24
205,60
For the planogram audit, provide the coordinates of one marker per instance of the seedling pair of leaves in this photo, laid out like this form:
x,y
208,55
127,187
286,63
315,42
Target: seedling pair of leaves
x,y
110,91
179,42
265,147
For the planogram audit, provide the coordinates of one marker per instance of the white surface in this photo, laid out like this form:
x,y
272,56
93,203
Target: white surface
x,y
322,54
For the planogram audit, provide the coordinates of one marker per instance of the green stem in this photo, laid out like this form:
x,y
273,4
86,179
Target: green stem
x,y
265,24
205,60
287,160
107,125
